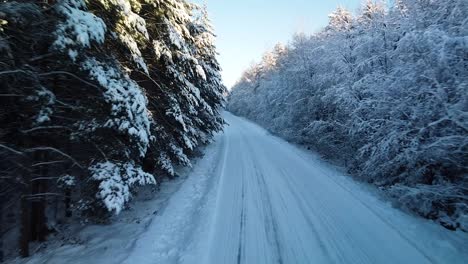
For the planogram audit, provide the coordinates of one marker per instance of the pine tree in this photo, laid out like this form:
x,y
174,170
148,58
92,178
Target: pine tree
x,y
126,89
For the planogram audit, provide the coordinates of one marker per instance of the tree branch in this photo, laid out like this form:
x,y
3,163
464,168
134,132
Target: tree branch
x,y
57,151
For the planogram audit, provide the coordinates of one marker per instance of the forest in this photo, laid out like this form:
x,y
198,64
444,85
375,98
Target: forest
x,y
119,142
98,98
383,93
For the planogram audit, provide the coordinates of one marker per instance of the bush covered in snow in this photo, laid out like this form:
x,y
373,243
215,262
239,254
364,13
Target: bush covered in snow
x,y
384,92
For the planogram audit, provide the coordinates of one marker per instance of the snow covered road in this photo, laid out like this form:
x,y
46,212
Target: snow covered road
x,y
254,198
257,199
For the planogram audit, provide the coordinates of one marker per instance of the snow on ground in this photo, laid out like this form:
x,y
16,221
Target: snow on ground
x,y
255,198
105,243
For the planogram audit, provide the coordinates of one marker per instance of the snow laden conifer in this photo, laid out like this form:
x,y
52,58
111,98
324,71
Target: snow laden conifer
x,y
190,91
127,89
122,108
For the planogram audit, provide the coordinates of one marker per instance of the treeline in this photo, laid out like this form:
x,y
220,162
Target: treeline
x,y
97,98
384,92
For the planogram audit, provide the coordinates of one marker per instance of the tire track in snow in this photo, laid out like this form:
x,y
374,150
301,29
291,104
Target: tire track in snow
x,y
241,243
371,210
270,224
290,190
307,214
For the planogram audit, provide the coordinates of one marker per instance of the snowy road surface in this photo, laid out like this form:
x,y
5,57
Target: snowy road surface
x,y
254,198
257,199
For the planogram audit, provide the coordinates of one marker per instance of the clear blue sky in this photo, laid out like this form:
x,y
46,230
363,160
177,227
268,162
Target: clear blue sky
x,y
248,28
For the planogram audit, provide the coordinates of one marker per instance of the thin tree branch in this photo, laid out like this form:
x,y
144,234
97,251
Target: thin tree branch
x,y
45,127
12,150
57,151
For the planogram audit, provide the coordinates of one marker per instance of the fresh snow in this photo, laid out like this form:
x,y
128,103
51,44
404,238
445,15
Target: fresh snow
x,y
48,99
79,28
129,104
116,181
254,198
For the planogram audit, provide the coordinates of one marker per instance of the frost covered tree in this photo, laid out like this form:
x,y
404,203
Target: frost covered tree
x,y
384,93
100,97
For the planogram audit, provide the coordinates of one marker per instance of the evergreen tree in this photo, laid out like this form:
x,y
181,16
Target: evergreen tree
x,y
118,94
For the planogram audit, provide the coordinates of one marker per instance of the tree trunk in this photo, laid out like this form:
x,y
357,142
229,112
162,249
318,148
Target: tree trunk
x,y
2,198
38,223
42,229
68,192
25,232
68,211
